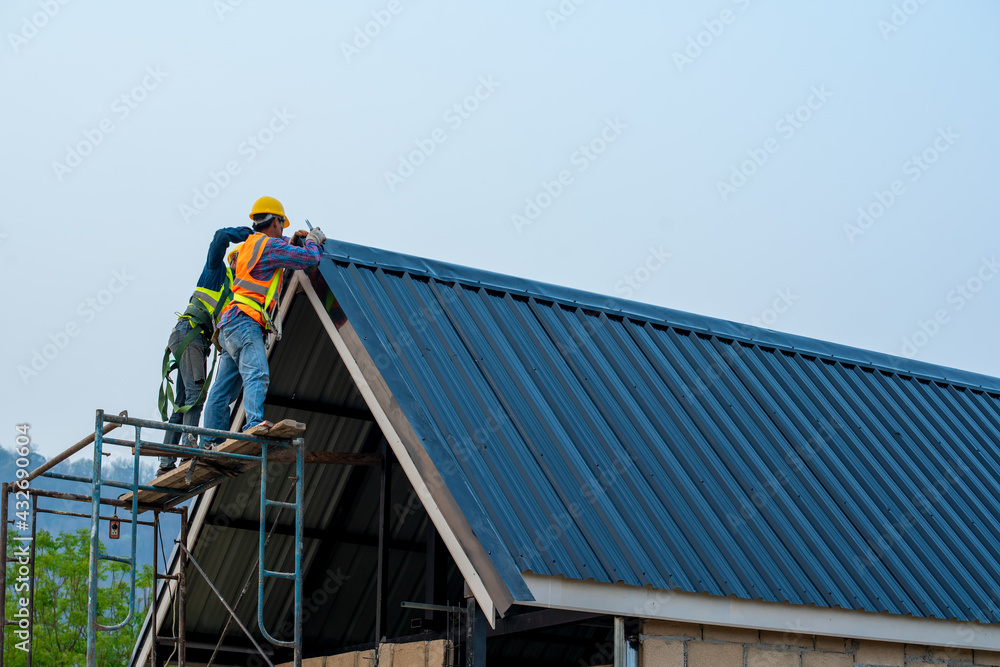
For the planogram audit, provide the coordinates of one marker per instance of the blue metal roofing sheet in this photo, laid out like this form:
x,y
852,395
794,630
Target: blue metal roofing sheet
x,y
604,439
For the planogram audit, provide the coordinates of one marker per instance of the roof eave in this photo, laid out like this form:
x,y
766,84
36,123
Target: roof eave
x,y
554,592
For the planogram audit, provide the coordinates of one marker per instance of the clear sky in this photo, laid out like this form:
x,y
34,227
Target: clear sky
x,y
825,169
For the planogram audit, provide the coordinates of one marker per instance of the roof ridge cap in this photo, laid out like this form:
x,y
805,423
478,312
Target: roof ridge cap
x,y
661,316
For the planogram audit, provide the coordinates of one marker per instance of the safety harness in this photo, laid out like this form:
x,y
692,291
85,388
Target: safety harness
x,y
202,313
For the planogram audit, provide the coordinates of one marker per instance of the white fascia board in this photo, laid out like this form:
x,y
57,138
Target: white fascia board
x,y
650,603
420,487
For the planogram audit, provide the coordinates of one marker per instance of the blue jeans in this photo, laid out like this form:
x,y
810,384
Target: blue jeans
x,y
243,357
190,379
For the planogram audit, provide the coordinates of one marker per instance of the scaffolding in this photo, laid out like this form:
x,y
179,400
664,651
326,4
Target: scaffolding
x,y
207,467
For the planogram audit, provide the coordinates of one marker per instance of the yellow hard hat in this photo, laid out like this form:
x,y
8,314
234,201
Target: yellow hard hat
x,y
269,205
231,258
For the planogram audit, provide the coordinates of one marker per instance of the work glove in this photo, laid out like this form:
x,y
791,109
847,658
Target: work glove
x,y
316,235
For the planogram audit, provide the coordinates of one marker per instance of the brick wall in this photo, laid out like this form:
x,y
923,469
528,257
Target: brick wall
x,y
413,654
668,644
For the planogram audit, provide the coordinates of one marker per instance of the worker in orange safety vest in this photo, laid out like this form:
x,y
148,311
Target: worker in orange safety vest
x,y
252,313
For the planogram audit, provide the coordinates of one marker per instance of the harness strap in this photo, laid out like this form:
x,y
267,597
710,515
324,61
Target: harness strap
x,y
166,384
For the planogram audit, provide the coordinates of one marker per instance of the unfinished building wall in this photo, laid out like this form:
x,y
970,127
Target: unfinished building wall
x,y
412,654
668,644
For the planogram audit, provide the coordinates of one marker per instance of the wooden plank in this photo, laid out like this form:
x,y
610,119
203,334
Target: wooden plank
x,y
153,450
210,470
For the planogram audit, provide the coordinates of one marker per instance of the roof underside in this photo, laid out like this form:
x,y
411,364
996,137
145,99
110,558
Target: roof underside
x,y
608,440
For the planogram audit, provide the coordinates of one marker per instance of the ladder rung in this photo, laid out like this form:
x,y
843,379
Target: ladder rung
x,y
280,575
119,559
166,640
278,503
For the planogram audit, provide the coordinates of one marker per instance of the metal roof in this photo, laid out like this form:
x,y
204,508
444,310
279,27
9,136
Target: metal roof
x,y
596,438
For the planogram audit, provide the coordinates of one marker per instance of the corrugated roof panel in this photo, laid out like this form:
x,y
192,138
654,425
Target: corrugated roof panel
x,y
609,440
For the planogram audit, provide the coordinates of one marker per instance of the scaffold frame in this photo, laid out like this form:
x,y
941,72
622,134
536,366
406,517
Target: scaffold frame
x,y
170,503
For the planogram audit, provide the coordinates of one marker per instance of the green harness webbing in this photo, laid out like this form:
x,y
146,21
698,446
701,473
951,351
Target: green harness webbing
x,y
202,321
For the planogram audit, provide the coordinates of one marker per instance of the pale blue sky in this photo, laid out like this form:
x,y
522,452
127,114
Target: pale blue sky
x,y
339,122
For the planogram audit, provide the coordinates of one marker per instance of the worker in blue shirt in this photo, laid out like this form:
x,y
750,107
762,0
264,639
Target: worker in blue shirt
x,y
191,339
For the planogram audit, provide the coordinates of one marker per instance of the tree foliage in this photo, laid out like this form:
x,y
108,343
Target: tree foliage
x,y
116,468
60,603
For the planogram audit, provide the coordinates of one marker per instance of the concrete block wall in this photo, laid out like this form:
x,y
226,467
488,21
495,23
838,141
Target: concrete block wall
x,y
414,654
669,644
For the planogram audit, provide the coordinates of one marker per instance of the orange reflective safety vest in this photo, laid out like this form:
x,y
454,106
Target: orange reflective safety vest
x,y
256,298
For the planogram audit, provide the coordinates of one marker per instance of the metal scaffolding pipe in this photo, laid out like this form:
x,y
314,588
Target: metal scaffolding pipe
x,y
59,458
86,516
114,502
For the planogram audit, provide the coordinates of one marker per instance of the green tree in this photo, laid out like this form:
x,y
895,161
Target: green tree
x,y
60,604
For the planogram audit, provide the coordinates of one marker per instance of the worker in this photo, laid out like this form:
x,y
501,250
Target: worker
x,y
251,315
191,340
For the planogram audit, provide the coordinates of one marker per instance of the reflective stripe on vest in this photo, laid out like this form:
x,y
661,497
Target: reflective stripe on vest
x,y
206,305
256,298
253,287
211,297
